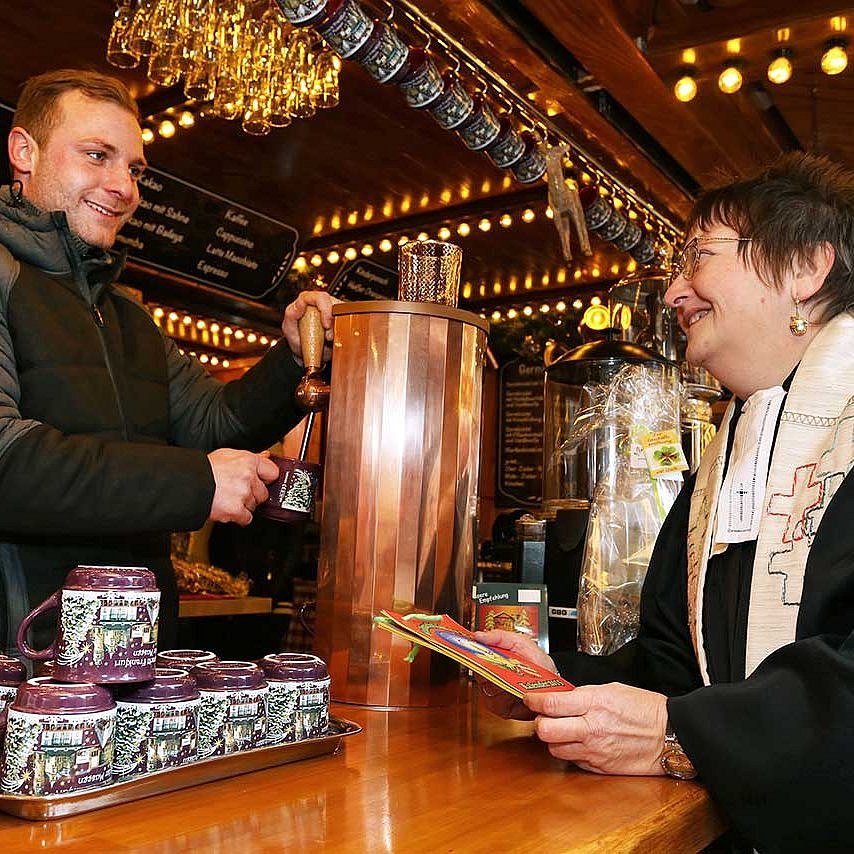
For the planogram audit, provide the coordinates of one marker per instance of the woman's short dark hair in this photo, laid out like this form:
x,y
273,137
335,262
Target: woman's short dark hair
x,y
37,111
788,210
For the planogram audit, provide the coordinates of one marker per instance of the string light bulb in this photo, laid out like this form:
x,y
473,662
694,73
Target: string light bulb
x,y
834,60
685,88
780,67
730,79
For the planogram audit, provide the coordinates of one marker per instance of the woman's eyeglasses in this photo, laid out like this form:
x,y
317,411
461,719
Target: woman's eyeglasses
x,y
685,263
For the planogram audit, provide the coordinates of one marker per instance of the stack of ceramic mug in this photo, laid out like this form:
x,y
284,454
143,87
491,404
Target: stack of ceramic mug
x,y
107,707
60,729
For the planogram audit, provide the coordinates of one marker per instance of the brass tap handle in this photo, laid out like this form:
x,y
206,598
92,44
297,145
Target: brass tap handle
x,y
312,338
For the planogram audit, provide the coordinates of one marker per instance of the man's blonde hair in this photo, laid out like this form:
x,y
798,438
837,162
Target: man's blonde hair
x,y
38,107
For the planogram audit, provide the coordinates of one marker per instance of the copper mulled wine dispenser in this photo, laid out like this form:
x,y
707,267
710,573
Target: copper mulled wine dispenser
x,y
399,516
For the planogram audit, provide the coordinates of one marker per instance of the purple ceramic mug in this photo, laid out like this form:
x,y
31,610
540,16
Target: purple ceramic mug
x,y
292,493
157,724
12,674
233,708
107,626
299,696
185,659
59,738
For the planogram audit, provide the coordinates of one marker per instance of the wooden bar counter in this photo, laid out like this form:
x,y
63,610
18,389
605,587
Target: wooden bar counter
x,y
440,780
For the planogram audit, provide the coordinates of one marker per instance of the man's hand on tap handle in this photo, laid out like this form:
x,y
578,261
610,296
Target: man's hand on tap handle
x,y
290,324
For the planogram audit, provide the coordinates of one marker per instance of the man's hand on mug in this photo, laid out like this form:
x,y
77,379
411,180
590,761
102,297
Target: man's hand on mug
x,y
290,323
241,478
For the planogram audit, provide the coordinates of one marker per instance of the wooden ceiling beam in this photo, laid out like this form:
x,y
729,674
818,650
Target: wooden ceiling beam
x,y
505,49
591,31
728,22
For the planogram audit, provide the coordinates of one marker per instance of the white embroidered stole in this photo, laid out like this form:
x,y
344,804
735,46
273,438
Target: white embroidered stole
x,y
813,452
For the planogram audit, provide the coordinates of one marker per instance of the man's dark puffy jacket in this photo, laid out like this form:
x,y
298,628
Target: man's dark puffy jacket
x,y
104,426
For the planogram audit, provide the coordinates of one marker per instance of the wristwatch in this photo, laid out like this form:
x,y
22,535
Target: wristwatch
x,y
674,761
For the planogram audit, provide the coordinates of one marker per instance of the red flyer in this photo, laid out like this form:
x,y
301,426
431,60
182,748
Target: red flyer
x,y
439,633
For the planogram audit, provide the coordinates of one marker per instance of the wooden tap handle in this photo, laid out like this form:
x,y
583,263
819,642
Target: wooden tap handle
x,y
312,338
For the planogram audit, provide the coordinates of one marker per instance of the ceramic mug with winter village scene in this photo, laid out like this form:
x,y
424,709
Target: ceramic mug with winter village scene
x,y
106,629
59,738
292,492
156,724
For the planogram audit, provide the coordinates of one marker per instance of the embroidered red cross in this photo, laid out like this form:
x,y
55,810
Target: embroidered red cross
x,y
781,503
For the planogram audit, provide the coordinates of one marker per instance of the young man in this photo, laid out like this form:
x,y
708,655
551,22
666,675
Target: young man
x,y
110,439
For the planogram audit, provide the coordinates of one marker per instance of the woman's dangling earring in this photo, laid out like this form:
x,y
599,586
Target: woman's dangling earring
x,y
798,324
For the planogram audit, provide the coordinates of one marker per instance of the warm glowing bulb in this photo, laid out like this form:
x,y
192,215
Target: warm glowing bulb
x,y
511,313
251,337
333,257
187,119
730,80
402,239
158,312
316,260
550,214
506,220
780,70
834,60
560,306
367,249
444,232
484,224
544,308
385,245
577,304
527,311
422,236
595,301
350,253
239,334
173,316
496,315
147,135
463,229
166,129
300,264
685,89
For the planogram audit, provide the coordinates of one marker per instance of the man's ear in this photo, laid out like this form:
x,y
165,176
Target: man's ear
x,y
23,152
811,277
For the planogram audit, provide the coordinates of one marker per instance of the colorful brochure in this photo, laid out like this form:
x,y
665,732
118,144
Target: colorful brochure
x,y
439,633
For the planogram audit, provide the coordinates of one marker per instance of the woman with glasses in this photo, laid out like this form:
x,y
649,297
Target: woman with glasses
x,y
743,671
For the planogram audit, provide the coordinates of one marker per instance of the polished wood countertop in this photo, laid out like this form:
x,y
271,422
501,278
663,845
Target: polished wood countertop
x,y
452,779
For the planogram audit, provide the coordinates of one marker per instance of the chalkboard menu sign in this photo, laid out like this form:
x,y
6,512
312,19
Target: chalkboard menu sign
x,y
186,230
364,280
520,434
189,231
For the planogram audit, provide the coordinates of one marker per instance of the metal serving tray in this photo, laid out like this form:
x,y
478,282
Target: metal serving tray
x,y
37,808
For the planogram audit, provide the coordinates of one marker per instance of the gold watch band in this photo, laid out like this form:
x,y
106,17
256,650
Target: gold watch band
x,y
674,760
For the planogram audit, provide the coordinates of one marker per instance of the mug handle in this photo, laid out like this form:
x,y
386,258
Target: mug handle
x,y
21,638
311,605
